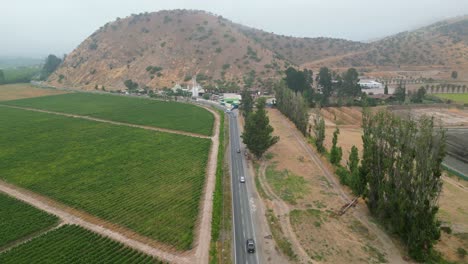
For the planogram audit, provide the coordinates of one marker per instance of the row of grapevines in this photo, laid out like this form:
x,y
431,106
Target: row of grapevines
x,y
19,220
147,181
73,244
171,115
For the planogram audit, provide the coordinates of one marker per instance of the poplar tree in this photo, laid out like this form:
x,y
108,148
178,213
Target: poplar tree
x,y
336,152
247,103
402,168
319,131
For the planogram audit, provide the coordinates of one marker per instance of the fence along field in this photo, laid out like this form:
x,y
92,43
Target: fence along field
x,y
19,220
170,115
150,182
73,244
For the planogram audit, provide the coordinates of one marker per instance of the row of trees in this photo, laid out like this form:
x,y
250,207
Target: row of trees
x,y
343,86
293,105
399,175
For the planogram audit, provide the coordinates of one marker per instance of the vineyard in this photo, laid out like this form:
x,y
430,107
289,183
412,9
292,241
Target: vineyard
x,y
170,115
150,182
19,220
459,98
73,244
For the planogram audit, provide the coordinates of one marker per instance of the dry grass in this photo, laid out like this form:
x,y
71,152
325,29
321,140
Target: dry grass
x,y
23,90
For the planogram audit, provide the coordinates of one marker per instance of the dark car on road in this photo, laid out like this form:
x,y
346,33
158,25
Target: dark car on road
x,y
250,245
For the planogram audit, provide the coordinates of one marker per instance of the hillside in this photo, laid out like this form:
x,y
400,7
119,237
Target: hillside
x,y
302,50
443,44
164,48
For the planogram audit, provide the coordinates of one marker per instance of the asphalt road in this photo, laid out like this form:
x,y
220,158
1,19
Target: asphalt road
x,y
243,226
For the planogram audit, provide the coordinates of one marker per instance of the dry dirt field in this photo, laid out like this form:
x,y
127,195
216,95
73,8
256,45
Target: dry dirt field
x,y
318,235
453,210
23,90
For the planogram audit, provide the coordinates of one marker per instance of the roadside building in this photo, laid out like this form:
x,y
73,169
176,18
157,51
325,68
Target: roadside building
x,y
370,84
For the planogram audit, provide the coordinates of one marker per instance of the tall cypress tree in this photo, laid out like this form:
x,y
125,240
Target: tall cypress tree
x,y
247,103
257,133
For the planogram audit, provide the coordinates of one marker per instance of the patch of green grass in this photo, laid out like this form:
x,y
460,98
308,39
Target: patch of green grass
x,y
170,115
19,220
269,156
147,181
288,186
278,235
375,253
459,98
73,244
20,74
314,215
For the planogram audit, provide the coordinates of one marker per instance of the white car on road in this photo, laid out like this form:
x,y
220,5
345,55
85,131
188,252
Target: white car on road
x,y
242,179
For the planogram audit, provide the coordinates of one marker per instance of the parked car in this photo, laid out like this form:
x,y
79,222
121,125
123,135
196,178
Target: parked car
x,y
250,245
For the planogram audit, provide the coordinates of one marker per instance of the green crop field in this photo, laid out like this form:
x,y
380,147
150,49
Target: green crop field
x,y
170,115
460,98
73,244
148,181
19,220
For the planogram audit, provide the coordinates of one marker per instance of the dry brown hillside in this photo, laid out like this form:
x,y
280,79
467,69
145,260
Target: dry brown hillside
x,y
161,49
441,44
302,50
167,47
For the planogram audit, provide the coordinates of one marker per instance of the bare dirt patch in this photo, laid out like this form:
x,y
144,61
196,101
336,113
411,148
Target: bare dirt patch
x,y
24,90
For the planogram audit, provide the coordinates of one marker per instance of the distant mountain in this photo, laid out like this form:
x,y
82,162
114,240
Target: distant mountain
x,y
13,62
164,48
444,43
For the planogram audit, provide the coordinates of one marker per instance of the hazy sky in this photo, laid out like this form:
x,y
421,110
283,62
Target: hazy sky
x,y
40,27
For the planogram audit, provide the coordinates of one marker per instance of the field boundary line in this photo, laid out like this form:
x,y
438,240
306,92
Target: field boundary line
x,y
171,131
70,218
30,237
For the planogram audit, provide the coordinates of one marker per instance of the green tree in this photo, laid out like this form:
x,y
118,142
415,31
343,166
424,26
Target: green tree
x,y
257,135
51,64
403,163
293,105
353,166
386,89
336,153
324,80
350,83
132,86
2,77
319,131
419,95
299,81
400,92
454,74
247,102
